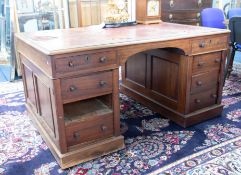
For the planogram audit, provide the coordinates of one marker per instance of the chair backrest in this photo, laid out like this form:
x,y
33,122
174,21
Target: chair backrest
x,y
234,12
213,17
235,27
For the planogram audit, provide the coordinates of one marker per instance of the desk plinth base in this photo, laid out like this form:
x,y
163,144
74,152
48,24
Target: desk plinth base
x,y
78,154
179,118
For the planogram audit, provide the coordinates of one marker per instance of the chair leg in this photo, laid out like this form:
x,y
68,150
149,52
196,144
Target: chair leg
x,y
230,62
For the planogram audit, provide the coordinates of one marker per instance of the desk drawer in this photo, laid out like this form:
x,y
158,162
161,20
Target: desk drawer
x,y
203,99
210,44
204,81
90,129
206,62
78,88
87,61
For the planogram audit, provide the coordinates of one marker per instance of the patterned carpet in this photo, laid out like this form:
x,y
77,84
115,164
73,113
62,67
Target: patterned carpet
x,y
154,145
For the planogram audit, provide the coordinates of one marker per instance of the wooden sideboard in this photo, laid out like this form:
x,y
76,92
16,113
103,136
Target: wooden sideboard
x,y
183,11
71,81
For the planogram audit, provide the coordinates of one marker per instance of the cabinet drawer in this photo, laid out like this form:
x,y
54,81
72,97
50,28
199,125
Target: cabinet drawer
x,y
81,62
205,45
78,88
190,15
90,129
206,62
184,4
204,81
203,99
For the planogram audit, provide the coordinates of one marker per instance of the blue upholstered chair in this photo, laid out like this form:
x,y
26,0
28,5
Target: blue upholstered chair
x,y
235,38
234,12
213,17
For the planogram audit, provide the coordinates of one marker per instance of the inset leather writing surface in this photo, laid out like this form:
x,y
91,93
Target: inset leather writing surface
x,y
88,38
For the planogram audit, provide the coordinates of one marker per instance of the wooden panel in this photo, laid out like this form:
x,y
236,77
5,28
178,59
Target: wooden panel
x,y
208,44
164,77
136,69
77,88
204,81
45,104
203,63
30,90
80,62
203,99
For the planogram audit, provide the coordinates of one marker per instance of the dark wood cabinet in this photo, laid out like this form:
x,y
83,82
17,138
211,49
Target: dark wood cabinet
x,y
183,11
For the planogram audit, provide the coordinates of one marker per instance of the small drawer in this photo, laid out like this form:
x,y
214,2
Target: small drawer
x,y
183,4
204,81
203,99
90,129
210,44
192,15
206,62
78,88
82,62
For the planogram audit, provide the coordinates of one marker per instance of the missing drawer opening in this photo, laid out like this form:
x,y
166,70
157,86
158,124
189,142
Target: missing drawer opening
x,y
86,109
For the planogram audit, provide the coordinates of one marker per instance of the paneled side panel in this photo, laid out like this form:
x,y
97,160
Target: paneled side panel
x,y
45,104
165,77
136,69
30,86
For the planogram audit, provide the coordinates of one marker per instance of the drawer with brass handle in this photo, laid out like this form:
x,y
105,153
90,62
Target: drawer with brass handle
x,y
172,15
90,129
82,62
77,88
204,81
206,45
203,99
184,4
206,62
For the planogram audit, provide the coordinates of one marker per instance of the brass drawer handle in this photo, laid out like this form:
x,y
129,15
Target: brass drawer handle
x,y
87,58
103,59
71,64
213,95
200,64
197,101
171,3
199,3
72,88
217,60
198,15
199,83
170,16
202,44
104,128
77,136
102,83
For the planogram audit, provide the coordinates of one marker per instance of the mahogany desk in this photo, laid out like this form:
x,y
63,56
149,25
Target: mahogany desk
x,y
71,81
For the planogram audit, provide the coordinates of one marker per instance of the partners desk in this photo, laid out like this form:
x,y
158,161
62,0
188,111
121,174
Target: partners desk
x,y
71,81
